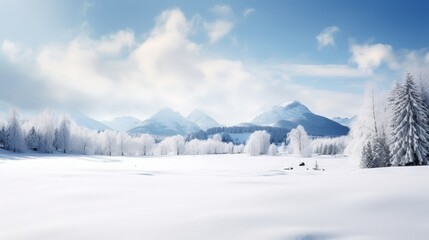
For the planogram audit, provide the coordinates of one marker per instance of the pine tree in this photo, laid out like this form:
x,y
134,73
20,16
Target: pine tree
x,y
409,125
33,139
14,136
367,160
2,137
381,152
62,136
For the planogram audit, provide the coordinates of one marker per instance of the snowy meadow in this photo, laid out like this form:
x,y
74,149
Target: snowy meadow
x,y
60,180
208,197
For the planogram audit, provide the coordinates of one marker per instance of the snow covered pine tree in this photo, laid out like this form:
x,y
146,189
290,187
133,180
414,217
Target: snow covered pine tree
x,y
14,136
32,139
409,125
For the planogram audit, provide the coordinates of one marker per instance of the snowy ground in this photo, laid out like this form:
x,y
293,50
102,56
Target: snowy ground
x,y
208,197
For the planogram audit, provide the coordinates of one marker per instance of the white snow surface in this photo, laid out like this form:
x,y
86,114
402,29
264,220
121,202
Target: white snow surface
x,y
208,197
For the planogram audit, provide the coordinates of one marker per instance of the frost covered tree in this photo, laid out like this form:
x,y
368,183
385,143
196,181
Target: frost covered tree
x,y
238,149
147,144
109,142
14,135
329,146
32,139
174,145
45,124
258,143
299,142
367,160
123,140
410,135
2,137
272,150
62,136
371,125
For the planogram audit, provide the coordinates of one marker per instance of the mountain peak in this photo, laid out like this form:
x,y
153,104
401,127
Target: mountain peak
x,y
294,104
203,120
166,122
167,113
294,113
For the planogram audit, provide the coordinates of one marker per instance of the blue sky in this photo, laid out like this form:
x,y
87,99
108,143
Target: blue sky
x,y
230,59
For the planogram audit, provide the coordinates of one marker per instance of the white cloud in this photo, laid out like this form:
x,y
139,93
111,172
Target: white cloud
x,y
330,70
326,37
86,6
218,29
248,11
15,52
222,10
427,57
117,74
370,56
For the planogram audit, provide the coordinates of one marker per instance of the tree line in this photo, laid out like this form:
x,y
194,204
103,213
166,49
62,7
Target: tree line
x,y
394,129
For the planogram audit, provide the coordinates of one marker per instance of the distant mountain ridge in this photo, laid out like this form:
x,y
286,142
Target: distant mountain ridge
x,y
203,120
85,121
291,114
166,123
123,124
344,121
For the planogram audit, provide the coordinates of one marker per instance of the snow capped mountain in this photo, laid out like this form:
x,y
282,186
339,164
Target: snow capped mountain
x,y
203,120
287,111
85,121
123,123
344,121
291,114
166,123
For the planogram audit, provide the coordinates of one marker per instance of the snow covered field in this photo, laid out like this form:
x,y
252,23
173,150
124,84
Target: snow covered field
x,y
208,197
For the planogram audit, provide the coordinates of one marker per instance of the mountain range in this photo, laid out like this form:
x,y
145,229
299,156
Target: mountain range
x,y
291,114
168,122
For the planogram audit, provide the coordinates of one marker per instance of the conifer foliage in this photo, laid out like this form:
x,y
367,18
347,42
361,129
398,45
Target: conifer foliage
x,y
409,143
14,135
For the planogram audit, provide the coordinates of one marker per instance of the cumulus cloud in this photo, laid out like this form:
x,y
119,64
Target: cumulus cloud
x,y
248,11
326,37
330,70
14,51
117,74
370,56
218,29
427,57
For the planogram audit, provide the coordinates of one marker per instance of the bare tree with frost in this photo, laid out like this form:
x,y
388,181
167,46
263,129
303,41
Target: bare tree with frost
x,y
299,143
258,143
62,136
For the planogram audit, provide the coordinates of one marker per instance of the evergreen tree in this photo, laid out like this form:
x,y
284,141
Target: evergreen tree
x,y
14,136
2,137
33,139
381,152
409,125
367,160
62,136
